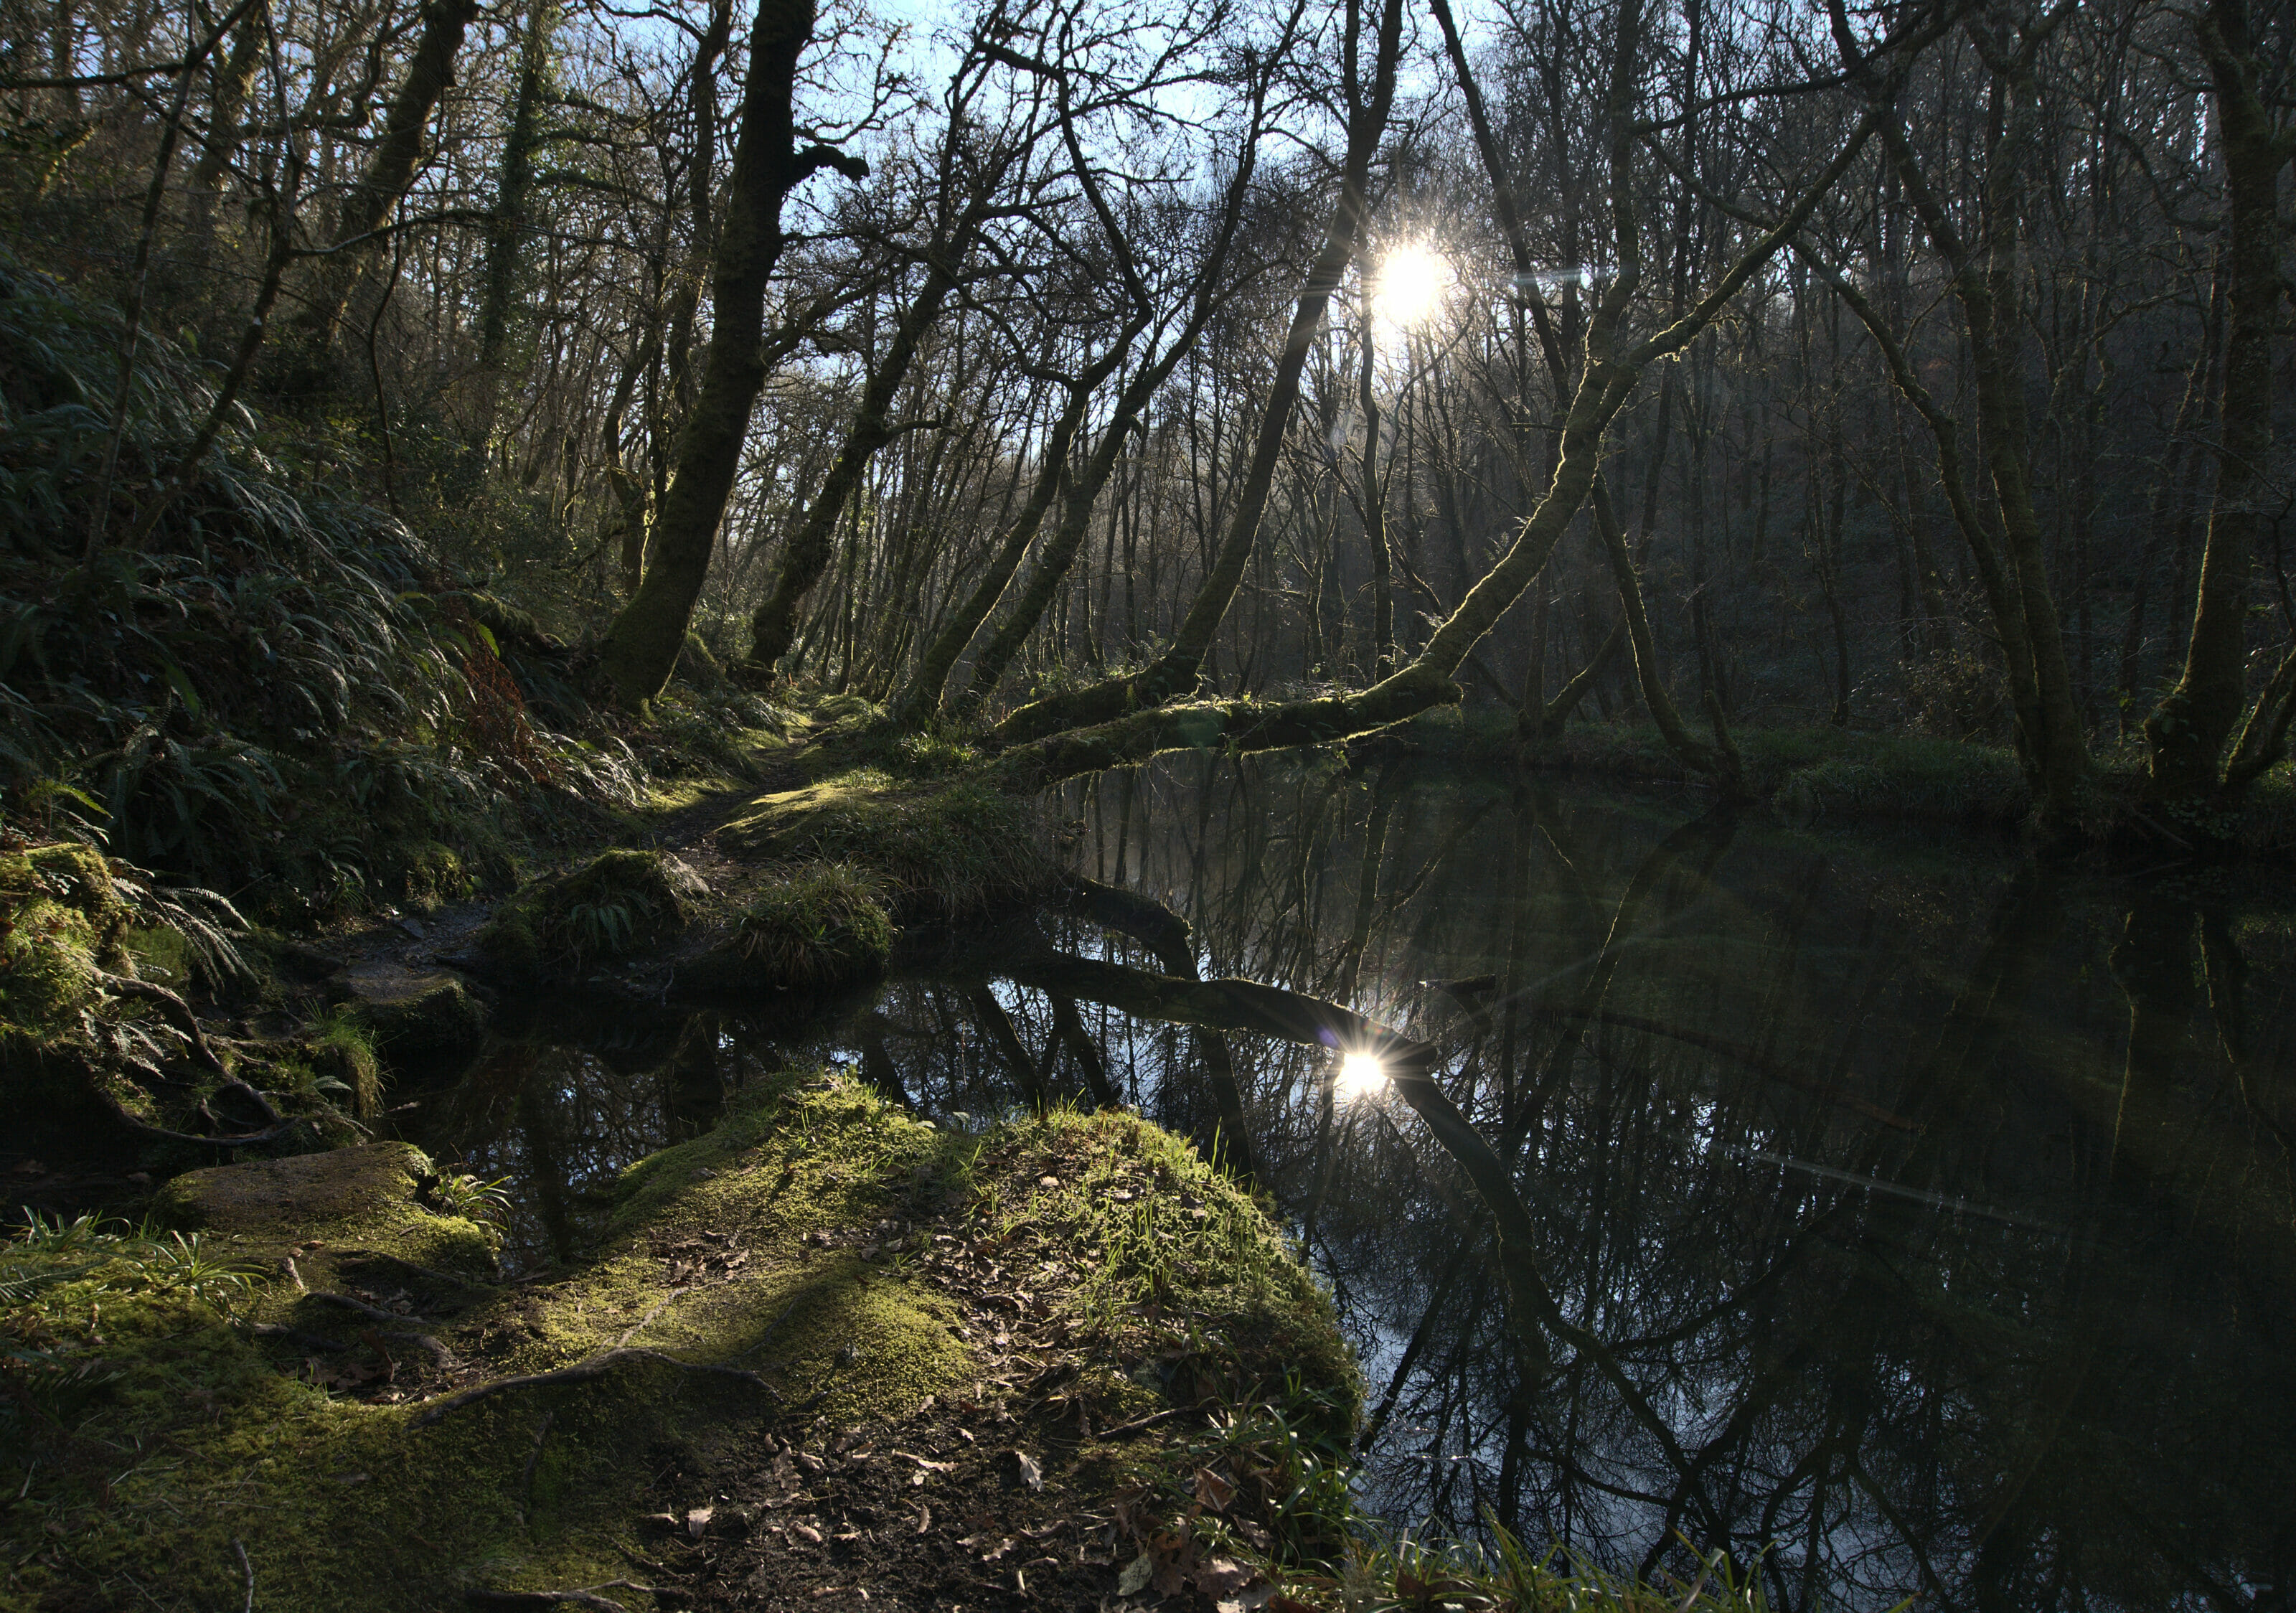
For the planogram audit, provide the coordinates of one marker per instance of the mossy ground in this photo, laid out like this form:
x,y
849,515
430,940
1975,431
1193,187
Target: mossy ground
x,y
868,1266
619,902
952,847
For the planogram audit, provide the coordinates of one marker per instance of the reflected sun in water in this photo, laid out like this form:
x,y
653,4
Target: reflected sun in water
x,y
1362,1075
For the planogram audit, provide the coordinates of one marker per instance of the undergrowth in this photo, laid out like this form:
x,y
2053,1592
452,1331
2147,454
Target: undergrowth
x,y
282,692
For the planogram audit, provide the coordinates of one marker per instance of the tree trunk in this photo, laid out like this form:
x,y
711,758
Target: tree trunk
x,y
773,623
923,696
392,167
641,647
507,225
2186,732
1175,671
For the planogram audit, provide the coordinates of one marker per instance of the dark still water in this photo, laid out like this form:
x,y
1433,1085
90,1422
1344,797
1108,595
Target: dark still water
x,y
1921,1221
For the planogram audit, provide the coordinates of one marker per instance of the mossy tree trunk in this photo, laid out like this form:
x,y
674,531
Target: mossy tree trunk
x,y
234,79
508,224
641,647
1984,278
2188,733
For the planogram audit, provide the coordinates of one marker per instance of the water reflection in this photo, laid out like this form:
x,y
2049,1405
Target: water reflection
x,y
1901,1215
565,1095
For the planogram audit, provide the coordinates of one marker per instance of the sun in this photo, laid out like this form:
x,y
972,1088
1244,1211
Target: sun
x,y
1362,1075
1414,280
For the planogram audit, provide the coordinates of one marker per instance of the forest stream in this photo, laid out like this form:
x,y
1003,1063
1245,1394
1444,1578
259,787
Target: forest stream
x,y
1929,1212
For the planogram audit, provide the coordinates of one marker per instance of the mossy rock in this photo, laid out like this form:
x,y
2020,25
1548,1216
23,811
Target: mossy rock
x,y
620,901
416,1014
368,1196
61,920
848,709
817,927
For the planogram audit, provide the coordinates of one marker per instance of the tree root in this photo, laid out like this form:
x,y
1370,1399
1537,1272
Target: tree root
x,y
172,1009
581,1371
300,1340
374,1312
421,1271
160,1133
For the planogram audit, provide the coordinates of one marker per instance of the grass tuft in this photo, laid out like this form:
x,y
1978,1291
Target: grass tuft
x,y
820,924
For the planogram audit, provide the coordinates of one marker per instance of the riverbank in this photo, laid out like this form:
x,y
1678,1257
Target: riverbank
x,y
905,1311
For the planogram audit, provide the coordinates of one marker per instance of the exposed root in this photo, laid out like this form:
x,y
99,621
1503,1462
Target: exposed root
x,y
160,1133
581,1371
300,1340
172,1009
404,1264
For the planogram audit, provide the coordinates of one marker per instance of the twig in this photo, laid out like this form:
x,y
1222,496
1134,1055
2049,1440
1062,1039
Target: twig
x,y
533,1460
760,1340
581,1371
1138,1423
667,1301
586,1598
247,1569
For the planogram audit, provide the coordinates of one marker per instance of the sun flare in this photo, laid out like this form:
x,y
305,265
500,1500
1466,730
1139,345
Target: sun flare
x,y
1413,282
1362,1075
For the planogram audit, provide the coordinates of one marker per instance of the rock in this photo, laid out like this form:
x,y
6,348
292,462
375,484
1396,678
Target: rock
x,y
307,962
619,903
417,1014
367,1195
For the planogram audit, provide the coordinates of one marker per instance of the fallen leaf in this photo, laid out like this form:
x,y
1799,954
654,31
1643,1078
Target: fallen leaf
x,y
1213,1491
1137,1575
697,1521
1031,1474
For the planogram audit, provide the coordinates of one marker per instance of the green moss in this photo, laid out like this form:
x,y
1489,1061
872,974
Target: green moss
x,y
815,926
784,1241
620,901
61,920
370,1195
1172,1261
955,849
343,1050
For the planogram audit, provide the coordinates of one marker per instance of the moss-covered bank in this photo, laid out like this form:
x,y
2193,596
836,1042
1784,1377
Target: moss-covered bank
x,y
840,1265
